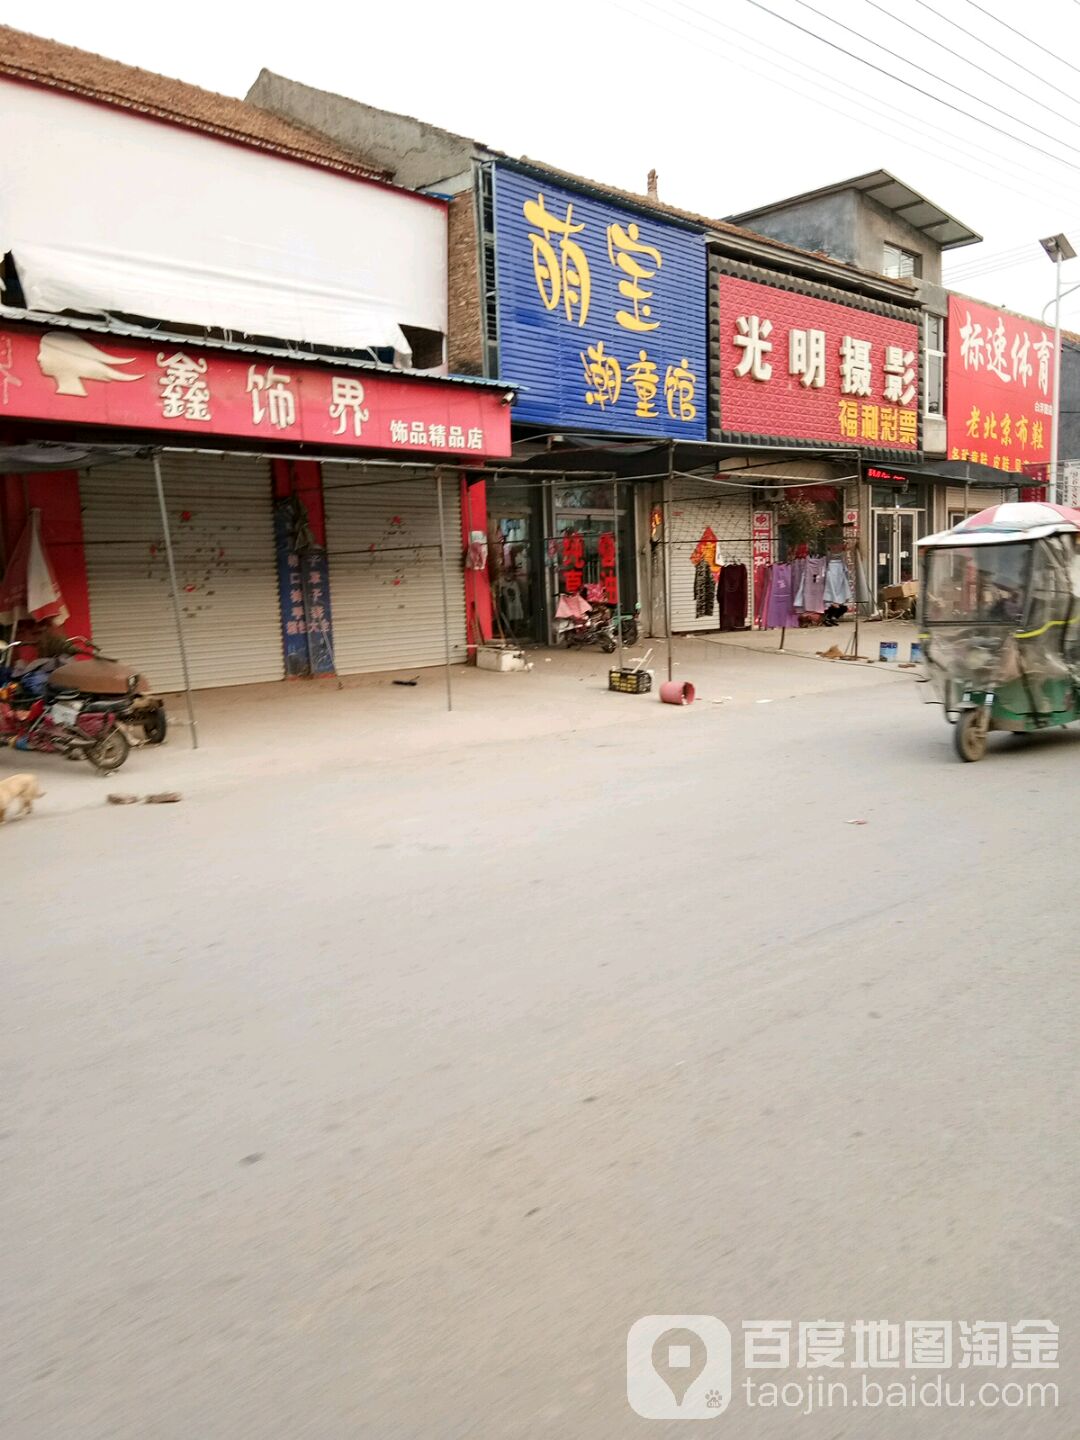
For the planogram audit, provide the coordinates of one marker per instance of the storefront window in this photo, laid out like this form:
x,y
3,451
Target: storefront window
x,y
935,365
594,496
581,550
810,520
899,497
514,560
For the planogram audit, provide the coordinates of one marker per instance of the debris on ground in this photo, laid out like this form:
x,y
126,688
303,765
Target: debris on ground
x,y
122,799
404,682
832,653
856,822
164,797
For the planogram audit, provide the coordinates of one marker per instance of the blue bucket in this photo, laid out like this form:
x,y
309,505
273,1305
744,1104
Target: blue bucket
x,y
888,650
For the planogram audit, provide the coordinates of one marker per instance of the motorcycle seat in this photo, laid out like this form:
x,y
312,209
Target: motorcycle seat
x,y
97,677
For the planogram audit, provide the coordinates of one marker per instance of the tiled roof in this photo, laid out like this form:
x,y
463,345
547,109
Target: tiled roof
x,y
38,61
718,227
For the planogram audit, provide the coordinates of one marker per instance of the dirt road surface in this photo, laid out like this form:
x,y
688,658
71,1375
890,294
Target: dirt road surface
x,y
379,1099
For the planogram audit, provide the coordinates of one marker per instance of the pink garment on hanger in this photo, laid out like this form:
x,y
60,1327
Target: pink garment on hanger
x,y
572,607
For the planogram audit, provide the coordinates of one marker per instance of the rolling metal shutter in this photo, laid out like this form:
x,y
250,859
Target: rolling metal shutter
x,y
695,508
221,518
382,542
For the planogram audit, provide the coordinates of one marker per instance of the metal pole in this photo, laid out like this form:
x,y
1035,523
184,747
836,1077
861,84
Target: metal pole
x,y
666,512
618,586
445,600
175,592
1052,489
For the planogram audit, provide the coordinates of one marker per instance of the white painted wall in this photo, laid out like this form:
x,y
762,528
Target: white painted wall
x,y
104,210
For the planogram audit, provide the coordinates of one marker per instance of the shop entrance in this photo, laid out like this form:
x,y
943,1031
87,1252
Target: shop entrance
x,y
583,544
899,521
514,552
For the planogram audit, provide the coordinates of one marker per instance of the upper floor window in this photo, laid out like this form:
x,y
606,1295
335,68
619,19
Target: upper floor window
x,y
901,264
934,374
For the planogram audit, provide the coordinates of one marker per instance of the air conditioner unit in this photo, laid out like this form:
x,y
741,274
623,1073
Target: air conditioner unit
x,y
772,495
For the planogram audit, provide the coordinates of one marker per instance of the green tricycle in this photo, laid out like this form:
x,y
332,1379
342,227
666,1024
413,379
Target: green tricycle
x,y
1000,613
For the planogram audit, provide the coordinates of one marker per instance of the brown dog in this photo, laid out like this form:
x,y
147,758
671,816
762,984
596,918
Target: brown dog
x,y
20,790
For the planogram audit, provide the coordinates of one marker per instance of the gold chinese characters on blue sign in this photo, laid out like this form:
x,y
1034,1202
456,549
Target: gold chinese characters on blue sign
x,y
601,313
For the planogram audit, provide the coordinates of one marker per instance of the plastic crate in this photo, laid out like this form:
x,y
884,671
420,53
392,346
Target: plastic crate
x,y
630,682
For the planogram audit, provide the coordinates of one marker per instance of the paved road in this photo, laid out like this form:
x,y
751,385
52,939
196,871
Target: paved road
x,y
381,1103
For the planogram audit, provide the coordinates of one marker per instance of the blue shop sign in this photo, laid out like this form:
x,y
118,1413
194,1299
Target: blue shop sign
x,y
601,313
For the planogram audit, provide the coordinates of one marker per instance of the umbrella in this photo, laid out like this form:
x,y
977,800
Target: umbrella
x,y
29,587
1021,515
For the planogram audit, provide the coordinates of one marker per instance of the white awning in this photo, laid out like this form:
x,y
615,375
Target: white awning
x,y
105,211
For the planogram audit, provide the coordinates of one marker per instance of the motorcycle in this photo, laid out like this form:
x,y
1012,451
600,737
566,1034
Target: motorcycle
x,y
79,703
628,623
593,629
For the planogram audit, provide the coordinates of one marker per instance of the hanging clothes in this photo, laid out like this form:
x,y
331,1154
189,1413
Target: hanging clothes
x,y
780,611
731,597
704,588
798,579
762,576
837,582
810,596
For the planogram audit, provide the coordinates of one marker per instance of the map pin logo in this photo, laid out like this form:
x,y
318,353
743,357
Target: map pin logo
x,y
679,1356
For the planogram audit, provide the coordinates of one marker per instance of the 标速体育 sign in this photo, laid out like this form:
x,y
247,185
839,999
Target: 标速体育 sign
x,y
999,398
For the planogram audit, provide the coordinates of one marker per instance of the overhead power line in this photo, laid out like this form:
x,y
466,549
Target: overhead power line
x,y
995,51
910,85
997,109
998,20
719,32
998,79
999,259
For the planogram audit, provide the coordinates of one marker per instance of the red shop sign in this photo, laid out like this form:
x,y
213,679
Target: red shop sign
x,y
761,533
77,379
605,546
793,367
1000,387
572,560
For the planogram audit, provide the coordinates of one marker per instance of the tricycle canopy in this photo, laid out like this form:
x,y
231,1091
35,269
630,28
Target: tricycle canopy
x,y
1000,612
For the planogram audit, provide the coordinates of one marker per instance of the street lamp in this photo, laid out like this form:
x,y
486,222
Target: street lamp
x,y
1058,249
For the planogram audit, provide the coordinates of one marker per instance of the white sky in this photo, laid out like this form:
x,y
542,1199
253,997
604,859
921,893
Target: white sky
x,y
732,106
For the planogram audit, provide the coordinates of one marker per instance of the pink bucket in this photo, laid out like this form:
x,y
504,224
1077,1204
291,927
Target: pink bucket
x,y
677,692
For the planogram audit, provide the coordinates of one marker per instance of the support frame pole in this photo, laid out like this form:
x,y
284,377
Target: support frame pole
x,y
666,509
445,591
618,580
174,591
1055,423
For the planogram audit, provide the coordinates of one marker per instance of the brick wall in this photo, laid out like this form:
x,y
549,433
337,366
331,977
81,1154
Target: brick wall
x,y
464,346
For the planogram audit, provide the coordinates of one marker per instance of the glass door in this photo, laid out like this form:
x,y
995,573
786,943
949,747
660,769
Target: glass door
x,y
884,545
906,554
895,557
581,547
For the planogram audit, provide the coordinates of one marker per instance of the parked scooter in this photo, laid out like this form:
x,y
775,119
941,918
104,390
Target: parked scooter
x,y
77,703
593,629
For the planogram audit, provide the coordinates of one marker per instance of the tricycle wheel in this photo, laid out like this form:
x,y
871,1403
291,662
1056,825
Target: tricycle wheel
x,y
969,736
607,645
110,752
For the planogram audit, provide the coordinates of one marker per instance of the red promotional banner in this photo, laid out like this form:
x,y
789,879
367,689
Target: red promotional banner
x,y
72,378
761,537
793,367
1000,387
